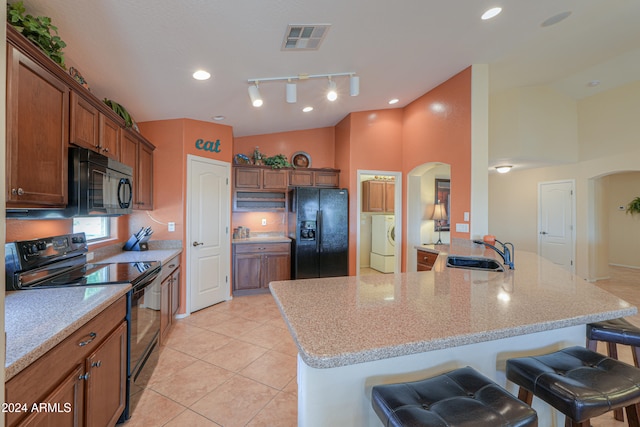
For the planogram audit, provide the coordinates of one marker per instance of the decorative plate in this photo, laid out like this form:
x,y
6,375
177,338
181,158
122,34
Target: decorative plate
x,y
241,159
300,159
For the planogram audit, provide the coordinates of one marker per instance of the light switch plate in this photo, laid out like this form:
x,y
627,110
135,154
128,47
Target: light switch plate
x,y
172,226
264,221
462,228
466,216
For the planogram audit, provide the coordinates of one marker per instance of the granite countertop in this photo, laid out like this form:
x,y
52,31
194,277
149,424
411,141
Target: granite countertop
x,y
263,239
159,250
37,320
347,320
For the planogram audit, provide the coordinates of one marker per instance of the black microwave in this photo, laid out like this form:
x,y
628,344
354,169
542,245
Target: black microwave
x,y
98,185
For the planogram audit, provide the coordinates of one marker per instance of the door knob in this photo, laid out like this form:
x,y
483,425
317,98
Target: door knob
x,y
543,232
198,243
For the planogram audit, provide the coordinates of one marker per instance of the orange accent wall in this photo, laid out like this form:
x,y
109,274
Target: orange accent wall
x,y
318,143
437,128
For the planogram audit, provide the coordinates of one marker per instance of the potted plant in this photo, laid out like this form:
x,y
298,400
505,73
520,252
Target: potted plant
x,y
121,111
277,162
39,30
634,206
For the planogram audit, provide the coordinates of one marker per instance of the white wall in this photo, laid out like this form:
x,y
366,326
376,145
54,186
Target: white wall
x,y
513,196
623,228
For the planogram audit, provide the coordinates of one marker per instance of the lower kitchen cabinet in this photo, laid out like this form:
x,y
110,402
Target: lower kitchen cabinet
x,y
79,382
426,260
170,296
255,265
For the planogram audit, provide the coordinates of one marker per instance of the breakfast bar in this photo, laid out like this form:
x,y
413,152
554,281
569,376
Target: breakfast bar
x,y
356,332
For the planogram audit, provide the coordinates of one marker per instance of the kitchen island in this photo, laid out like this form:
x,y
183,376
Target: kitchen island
x,y
356,332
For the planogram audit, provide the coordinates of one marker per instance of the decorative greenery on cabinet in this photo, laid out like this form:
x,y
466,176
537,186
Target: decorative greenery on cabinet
x,y
39,30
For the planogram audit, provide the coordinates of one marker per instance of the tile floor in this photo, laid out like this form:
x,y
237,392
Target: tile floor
x,y
234,364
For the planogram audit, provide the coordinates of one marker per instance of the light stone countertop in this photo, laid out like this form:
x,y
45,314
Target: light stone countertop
x,y
263,239
159,250
37,320
347,320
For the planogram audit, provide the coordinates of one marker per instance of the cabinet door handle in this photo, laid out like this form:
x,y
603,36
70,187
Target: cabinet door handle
x,y
96,364
92,336
85,376
171,265
18,191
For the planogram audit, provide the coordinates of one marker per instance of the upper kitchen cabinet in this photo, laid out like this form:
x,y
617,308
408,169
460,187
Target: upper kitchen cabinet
x,y
137,152
260,178
94,129
378,196
37,132
327,178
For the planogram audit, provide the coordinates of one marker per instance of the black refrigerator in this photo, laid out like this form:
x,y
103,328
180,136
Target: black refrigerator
x,y
319,230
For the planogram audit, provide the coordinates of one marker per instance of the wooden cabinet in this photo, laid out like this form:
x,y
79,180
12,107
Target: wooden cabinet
x,y
378,196
257,178
93,129
138,153
85,375
37,134
106,384
255,265
170,296
426,260
329,178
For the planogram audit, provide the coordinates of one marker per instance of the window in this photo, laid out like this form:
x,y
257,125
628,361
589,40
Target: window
x,y
95,228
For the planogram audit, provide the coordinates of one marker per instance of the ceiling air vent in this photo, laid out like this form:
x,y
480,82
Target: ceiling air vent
x,y
304,37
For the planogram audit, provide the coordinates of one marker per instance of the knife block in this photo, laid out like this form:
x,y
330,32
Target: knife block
x,y
135,244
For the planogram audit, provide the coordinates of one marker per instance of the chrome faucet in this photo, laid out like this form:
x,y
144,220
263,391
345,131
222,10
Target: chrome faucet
x,y
506,253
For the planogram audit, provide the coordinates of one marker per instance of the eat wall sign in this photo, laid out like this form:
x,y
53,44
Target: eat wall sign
x,y
211,146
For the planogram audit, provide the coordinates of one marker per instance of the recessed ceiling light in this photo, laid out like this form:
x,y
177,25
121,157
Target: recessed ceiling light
x,y
218,118
491,13
201,75
394,101
555,19
307,109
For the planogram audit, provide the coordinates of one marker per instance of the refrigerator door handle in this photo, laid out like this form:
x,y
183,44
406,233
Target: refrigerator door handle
x,y
319,231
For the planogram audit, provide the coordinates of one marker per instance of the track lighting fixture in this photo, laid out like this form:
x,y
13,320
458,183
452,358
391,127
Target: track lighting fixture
x,y
332,91
290,92
291,86
354,85
254,94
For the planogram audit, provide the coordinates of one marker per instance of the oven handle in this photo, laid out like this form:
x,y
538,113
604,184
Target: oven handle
x,y
138,288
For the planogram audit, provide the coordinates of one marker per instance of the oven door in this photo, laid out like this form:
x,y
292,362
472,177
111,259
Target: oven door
x,y
145,325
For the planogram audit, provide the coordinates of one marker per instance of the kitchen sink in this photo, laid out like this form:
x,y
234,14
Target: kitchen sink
x,y
474,263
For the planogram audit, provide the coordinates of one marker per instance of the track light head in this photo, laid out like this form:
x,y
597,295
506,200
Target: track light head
x,y
332,93
290,92
354,85
254,94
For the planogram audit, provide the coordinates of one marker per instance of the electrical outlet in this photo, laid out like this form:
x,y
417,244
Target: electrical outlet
x,y
462,228
264,221
172,226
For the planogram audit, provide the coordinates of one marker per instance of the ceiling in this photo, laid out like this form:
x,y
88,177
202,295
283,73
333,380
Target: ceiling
x,y
142,53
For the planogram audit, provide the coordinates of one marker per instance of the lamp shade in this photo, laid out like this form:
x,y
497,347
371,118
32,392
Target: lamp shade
x,y
439,212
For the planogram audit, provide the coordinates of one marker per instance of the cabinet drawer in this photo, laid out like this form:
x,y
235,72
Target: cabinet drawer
x,y
169,267
247,248
426,259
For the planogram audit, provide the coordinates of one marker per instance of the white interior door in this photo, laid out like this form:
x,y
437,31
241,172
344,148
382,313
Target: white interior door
x,y
208,198
556,222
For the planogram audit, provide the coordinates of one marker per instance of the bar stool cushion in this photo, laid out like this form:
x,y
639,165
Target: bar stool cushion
x,y
578,382
618,331
462,397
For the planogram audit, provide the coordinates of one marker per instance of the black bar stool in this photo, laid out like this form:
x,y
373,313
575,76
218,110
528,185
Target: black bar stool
x,y
578,382
613,332
456,398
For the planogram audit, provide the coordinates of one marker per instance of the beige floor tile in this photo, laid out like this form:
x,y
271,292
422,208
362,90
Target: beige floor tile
x,y
189,418
282,411
273,369
197,344
153,409
170,361
234,356
234,327
266,336
192,383
235,402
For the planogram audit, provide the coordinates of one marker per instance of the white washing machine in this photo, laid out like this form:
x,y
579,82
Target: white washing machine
x,y
383,243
